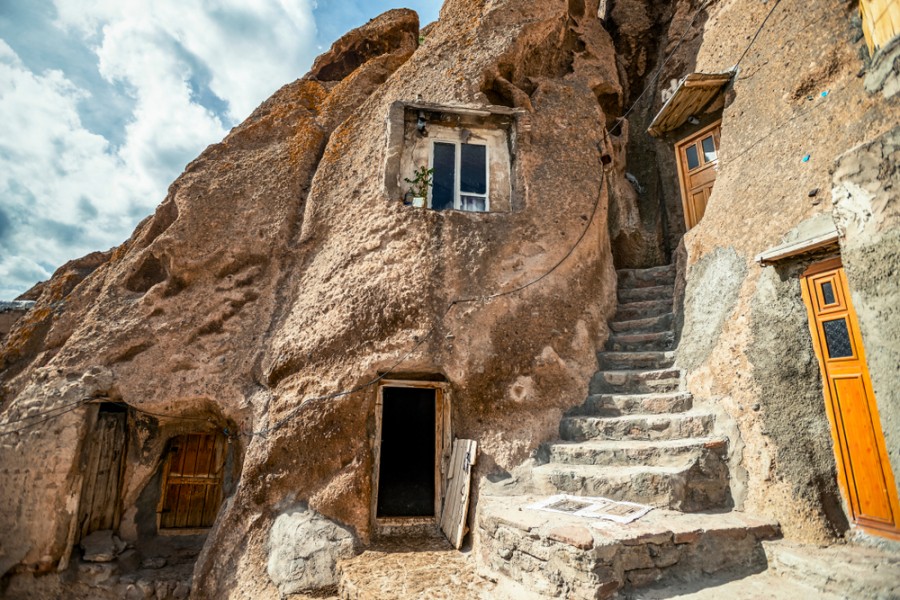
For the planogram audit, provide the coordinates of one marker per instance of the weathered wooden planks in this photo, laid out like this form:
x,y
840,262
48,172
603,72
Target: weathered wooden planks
x,y
693,94
192,488
456,503
99,507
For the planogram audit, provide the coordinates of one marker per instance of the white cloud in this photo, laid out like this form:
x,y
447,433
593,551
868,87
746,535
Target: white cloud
x,y
193,69
50,169
249,47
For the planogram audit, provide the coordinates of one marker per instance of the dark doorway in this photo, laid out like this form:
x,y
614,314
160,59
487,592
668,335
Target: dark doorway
x,y
406,472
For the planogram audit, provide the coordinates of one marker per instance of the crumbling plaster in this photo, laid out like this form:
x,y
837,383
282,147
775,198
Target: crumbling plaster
x,y
866,212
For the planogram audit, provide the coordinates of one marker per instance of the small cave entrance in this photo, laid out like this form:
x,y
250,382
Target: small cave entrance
x,y
411,453
408,453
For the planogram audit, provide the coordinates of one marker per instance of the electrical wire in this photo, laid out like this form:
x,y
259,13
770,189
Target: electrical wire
x,y
29,425
655,76
756,35
46,412
163,416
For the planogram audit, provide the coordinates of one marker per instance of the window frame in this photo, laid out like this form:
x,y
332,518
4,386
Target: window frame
x,y
457,174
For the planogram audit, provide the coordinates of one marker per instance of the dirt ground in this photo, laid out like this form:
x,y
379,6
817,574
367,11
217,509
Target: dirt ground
x,y
419,568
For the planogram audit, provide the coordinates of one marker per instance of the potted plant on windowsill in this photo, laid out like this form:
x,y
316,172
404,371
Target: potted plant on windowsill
x,y
419,184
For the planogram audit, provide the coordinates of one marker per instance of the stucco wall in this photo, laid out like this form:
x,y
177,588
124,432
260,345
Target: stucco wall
x,y
796,105
867,213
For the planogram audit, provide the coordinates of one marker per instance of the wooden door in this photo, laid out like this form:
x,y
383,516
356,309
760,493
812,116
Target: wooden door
x,y
99,507
192,482
864,470
698,160
459,482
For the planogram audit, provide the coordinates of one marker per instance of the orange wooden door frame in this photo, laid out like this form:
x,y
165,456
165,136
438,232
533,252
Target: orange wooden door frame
x,y
691,215
864,469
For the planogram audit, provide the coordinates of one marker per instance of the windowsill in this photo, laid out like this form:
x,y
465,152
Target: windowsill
x,y
456,211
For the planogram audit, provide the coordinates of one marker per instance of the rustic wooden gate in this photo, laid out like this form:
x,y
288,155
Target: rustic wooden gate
x,y
192,482
99,506
864,470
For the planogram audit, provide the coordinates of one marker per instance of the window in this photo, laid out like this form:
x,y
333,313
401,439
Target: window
x,y
472,152
460,176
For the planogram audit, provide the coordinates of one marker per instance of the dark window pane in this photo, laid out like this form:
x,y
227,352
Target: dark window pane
x,y
473,169
709,149
444,177
837,338
828,293
692,159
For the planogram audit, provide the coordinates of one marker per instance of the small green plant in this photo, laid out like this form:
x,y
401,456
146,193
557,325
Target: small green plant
x,y
420,182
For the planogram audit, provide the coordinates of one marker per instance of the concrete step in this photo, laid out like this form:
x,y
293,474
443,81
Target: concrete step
x,y
753,586
637,342
659,323
850,569
615,405
641,294
633,452
647,359
637,427
635,381
632,278
641,310
684,484
562,556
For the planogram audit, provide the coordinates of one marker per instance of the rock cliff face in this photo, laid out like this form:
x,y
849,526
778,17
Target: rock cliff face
x,y
283,276
278,270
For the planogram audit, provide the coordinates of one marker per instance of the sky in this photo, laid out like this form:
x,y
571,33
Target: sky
x,y
104,102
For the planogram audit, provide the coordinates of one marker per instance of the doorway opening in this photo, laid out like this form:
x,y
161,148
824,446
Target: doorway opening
x,y
412,424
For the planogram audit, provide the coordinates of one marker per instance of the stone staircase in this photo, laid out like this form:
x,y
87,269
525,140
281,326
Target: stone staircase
x,y
637,437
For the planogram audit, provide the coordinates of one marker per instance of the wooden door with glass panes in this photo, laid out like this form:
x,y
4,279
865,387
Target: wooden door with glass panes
x,y
698,162
864,469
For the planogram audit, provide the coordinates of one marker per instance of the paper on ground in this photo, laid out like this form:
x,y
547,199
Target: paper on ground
x,y
592,507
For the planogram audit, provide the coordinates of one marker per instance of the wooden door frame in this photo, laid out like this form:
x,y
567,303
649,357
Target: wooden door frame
x,y
841,454
443,446
681,163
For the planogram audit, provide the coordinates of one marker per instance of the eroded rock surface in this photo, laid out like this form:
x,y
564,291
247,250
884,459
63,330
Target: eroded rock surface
x,y
278,270
304,549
